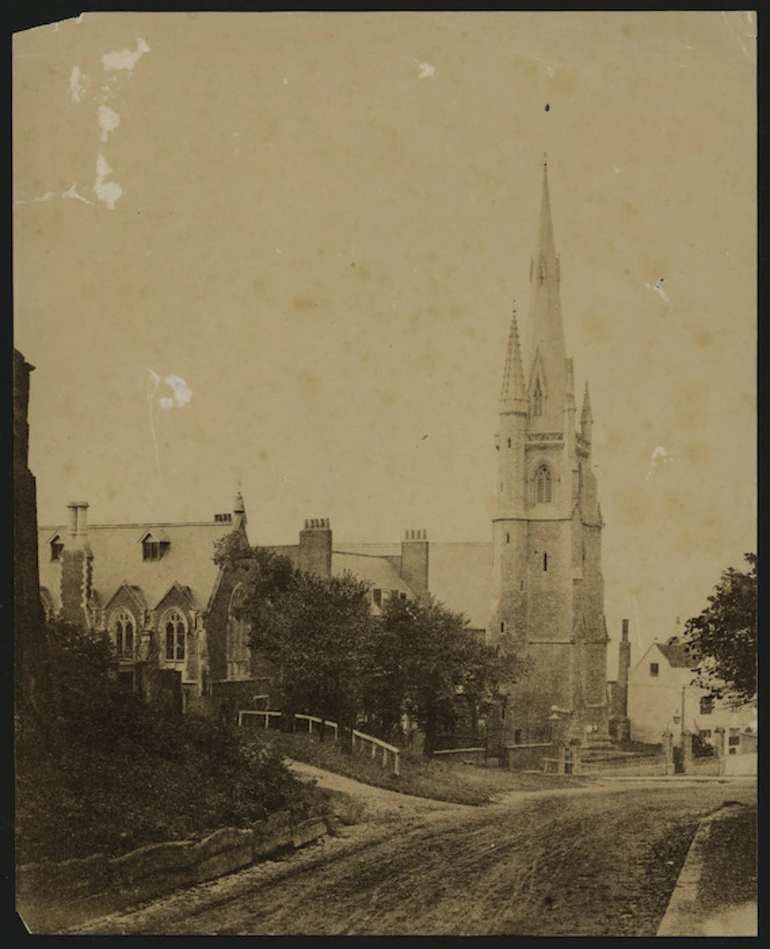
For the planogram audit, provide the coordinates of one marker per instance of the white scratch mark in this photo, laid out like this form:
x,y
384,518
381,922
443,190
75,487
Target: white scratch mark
x,y
285,81
78,84
125,58
659,456
107,191
658,287
426,70
278,251
72,193
182,393
738,36
616,169
108,121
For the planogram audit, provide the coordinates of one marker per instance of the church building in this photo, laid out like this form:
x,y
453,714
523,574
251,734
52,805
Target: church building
x,y
155,590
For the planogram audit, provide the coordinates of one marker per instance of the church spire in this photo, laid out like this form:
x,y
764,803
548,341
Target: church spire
x,y
513,396
546,348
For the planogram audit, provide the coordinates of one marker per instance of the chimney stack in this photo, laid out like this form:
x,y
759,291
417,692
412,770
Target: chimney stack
x,y
315,547
76,567
414,561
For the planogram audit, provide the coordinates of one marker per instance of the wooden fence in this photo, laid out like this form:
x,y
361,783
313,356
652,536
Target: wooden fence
x,y
388,754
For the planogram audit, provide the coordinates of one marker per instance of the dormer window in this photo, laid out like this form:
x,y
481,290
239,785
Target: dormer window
x,y
154,545
57,547
152,550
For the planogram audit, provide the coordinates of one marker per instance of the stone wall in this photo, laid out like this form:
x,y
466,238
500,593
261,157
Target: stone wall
x,y
54,897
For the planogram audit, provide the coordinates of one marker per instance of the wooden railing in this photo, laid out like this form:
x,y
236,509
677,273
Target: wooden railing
x,y
253,713
383,745
389,754
321,722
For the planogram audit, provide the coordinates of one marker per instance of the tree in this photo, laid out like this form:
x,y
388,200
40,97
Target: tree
x,y
427,661
723,638
314,631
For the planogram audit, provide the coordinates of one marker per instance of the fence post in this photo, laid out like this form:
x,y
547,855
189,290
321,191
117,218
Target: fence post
x,y
396,766
668,752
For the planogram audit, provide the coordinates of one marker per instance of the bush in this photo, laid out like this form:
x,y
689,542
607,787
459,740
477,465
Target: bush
x,y
98,770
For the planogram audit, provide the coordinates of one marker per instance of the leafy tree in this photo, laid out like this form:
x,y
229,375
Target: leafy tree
x,y
314,631
723,638
427,661
316,634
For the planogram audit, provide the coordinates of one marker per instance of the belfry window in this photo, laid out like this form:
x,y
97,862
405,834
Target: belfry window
x,y
175,630
543,485
537,399
56,548
545,562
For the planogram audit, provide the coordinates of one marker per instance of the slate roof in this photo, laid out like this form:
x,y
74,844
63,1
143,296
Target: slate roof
x,y
118,559
459,574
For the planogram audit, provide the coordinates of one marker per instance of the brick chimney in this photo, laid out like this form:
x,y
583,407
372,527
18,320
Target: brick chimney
x,y
76,567
414,561
315,547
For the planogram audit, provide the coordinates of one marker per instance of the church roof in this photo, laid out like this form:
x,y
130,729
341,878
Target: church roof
x,y
118,559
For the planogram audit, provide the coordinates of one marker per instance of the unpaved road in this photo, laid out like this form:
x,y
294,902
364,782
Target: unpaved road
x,y
600,860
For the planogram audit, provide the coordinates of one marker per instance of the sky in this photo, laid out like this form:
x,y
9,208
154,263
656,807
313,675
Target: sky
x,y
283,250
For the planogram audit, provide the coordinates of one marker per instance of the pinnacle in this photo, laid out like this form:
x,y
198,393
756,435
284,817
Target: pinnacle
x,y
513,373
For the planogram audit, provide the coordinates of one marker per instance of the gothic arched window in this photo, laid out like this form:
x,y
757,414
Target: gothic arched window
x,y
175,629
537,398
543,485
238,652
122,626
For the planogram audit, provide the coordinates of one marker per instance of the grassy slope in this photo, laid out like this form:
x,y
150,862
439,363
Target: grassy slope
x,y
441,780
113,797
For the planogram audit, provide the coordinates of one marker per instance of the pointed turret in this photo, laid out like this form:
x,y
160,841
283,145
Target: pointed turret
x,y
586,418
513,395
239,509
547,382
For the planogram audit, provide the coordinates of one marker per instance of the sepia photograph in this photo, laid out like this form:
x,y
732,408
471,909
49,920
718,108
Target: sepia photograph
x,y
385,476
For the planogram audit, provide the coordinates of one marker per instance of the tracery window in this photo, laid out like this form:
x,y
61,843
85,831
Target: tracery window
x,y
122,626
543,485
175,629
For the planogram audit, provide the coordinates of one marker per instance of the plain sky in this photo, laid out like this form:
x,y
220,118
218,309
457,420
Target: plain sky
x,y
320,222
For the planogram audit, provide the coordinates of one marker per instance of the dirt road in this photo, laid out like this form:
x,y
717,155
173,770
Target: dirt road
x,y
601,860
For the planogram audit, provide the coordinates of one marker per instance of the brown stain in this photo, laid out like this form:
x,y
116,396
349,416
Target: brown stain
x,y
258,285
697,453
593,326
304,303
615,436
363,271
630,208
688,403
626,29
469,332
633,506
703,337
310,386
562,83
262,455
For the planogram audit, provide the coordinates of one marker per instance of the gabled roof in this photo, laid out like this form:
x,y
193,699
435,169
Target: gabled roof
x,y
377,571
677,655
118,559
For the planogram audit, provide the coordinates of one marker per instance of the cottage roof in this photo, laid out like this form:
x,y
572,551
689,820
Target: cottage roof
x,y
677,655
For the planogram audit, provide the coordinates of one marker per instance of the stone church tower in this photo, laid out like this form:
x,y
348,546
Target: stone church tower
x,y
547,530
